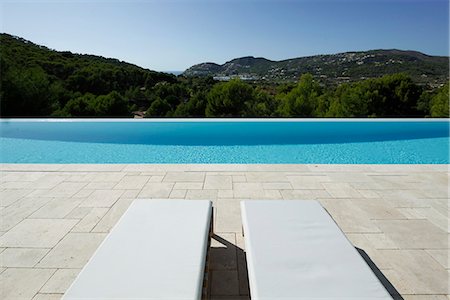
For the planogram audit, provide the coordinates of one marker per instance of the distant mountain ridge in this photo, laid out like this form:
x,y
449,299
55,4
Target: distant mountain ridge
x,y
333,68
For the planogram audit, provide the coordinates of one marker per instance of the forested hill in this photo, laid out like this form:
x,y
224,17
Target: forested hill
x,y
36,80
335,68
39,82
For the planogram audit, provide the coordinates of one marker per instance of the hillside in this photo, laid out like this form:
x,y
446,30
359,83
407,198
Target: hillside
x,y
335,68
37,80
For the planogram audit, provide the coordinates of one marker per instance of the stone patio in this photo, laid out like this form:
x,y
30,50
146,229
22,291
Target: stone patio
x,y
53,217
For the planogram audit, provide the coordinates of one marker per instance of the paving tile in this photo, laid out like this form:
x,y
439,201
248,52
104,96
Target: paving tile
x,y
78,213
60,281
178,194
156,190
21,257
439,219
417,271
304,194
224,283
410,213
266,177
102,198
218,182
47,297
66,189
223,252
20,176
225,194
239,178
99,186
73,251
404,198
435,192
15,213
341,190
307,182
84,193
132,182
272,195
48,181
277,186
414,234
130,193
23,283
56,208
90,220
441,205
442,256
103,177
9,196
424,297
201,194
348,177
113,215
248,190
228,216
156,178
188,186
350,218
393,182
380,241
184,177
15,185
366,185
369,194
40,233
378,209
40,193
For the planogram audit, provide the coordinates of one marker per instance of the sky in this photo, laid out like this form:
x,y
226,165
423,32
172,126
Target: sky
x,y
173,35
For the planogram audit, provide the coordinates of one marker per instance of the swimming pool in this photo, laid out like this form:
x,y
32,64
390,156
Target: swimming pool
x,y
357,141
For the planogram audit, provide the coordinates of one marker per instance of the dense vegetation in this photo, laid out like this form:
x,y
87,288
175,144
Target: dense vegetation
x,y
37,81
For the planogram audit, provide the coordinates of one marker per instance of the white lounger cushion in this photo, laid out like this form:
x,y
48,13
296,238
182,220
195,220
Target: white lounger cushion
x,y
295,250
156,251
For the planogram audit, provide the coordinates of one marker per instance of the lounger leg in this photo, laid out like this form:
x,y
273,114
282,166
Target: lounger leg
x,y
206,279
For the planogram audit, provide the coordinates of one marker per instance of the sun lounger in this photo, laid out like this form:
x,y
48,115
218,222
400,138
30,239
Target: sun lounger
x,y
295,250
157,250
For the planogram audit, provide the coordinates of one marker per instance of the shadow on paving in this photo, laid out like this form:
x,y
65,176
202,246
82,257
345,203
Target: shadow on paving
x,y
228,275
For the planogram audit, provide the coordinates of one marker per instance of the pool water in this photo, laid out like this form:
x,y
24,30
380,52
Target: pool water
x,y
218,141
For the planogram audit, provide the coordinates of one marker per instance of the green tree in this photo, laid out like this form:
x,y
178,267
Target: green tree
x,y
25,92
159,108
439,103
195,107
228,99
302,100
111,105
349,101
262,105
79,107
392,95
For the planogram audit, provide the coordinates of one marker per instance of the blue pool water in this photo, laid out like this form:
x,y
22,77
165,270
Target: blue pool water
x,y
319,142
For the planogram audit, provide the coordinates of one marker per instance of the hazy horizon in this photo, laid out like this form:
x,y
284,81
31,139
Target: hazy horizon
x,y
174,35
